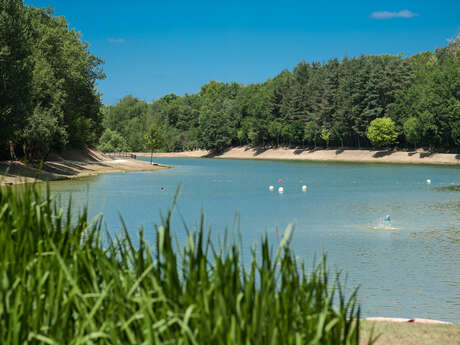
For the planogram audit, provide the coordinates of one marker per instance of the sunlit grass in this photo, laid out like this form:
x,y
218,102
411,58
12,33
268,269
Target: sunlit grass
x,y
61,284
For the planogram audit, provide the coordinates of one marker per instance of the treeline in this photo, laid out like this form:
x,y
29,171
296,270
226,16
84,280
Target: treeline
x,y
317,104
48,98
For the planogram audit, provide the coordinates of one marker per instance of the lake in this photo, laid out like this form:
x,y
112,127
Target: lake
x,y
408,269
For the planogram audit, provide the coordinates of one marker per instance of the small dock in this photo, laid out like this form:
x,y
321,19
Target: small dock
x,y
114,155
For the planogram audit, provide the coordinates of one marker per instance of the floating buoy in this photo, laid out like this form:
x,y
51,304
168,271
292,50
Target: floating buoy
x,y
428,181
163,188
271,188
304,188
280,181
280,190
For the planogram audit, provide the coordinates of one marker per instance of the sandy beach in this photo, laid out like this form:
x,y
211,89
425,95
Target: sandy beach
x,y
335,155
71,164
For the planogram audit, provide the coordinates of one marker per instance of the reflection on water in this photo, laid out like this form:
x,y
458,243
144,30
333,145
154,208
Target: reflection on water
x,y
409,269
449,189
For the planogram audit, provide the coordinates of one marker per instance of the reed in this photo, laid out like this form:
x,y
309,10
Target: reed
x,y
61,284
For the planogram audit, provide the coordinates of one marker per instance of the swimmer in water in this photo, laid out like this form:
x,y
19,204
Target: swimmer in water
x,y
387,221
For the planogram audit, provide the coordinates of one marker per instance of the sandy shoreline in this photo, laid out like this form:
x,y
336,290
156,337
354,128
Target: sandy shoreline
x,y
334,155
72,164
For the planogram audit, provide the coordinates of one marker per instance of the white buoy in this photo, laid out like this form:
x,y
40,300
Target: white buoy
x,y
428,181
280,190
304,188
271,188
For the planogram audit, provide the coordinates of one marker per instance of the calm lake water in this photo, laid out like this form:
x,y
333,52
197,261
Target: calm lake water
x,y
409,270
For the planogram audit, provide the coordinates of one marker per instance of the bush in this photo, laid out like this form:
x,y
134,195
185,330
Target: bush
x,y
112,141
42,133
60,284
382,132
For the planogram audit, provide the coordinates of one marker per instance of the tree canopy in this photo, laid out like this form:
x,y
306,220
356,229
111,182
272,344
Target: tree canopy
x,y
315,104
48,95
49,100
382,132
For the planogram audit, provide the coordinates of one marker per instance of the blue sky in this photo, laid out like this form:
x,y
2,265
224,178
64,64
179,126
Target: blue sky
x,y
152,48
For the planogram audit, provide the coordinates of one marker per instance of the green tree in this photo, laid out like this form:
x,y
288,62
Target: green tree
x,y
274,131
112,141
42,133
15,73
64,77
430,129
412,131
326,135
154,139
456,133
311,132
215,132
382,132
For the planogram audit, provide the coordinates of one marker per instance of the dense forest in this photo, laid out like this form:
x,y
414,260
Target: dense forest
x,y
48,98
379,101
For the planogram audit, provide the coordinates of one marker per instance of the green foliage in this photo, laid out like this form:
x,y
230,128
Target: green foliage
x,y
342,97
112,141
456,132
311,133
15,71
215,132
42,133
413,130
62,284
326,135
154,139
382,132
47,69
275,129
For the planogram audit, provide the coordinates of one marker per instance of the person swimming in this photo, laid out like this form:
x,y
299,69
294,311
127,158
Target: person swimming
x,y
387,221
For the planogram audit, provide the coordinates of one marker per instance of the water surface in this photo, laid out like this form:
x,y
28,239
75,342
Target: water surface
x,y
410,269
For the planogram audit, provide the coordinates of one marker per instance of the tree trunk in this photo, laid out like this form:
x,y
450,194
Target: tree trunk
x,y
12,153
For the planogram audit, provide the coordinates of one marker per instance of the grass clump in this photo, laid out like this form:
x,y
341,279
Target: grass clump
x,y
56,288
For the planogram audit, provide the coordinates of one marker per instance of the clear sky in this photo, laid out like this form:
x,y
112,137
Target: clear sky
x,y
152,48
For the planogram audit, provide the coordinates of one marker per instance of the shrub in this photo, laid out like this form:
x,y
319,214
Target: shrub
x,y
382,132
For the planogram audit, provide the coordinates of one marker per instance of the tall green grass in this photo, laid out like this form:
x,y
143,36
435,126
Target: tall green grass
x,y
61,284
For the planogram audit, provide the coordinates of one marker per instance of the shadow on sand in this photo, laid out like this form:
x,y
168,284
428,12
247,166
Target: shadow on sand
x,y
383,153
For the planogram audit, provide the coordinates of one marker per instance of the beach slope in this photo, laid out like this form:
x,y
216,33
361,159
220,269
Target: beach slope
x,y
71,164
334,155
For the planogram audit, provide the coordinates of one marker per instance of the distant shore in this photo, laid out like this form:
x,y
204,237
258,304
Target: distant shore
x,y
71,164
334,155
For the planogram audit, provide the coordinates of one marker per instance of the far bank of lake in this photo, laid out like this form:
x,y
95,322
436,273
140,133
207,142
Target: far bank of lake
x,y
325,155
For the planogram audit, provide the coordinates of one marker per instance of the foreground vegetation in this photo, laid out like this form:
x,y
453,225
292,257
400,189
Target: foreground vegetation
x,y
364,101
61,284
